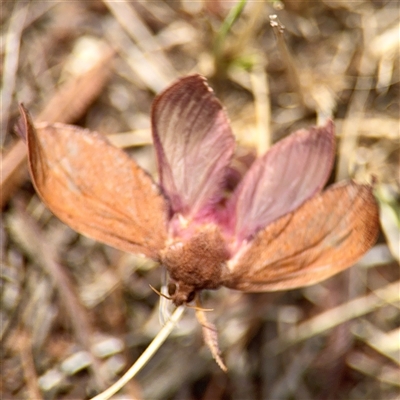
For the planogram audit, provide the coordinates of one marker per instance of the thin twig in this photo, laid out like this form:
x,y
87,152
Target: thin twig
x,y
292,67
145,357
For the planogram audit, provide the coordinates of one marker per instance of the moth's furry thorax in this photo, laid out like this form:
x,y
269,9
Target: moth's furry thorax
x,y
195,263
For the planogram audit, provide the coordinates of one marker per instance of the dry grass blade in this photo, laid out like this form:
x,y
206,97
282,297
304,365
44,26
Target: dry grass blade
x,y
12,49
149,73
390,220
373,128
369,366
357,105
39,249
143,37
260,87
336,316
73,99
388,344
289,381
28,366
137,138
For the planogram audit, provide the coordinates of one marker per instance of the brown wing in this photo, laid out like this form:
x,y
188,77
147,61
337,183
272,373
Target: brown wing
x,y
327,234
95,188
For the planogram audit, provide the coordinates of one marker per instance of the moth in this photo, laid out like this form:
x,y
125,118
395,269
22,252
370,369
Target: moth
x,y
276,229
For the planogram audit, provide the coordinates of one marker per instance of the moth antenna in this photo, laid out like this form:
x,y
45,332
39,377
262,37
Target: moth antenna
x,y
197,308
159,293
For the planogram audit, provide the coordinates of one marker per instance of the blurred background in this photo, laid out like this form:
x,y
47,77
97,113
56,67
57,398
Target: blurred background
x,y
75,314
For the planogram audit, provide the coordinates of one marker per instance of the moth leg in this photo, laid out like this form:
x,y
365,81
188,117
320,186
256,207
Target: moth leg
x,y
210,334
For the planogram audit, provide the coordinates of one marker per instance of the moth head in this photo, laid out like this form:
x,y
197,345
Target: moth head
x,y
181,293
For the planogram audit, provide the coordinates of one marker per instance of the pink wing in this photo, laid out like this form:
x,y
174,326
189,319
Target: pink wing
x,y
193,143
95,188
292,171
327,234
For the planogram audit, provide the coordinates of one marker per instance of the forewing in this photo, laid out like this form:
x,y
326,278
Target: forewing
x,y
95,188
193,143
327,234
292,171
